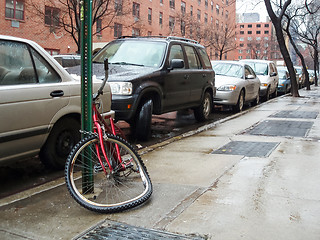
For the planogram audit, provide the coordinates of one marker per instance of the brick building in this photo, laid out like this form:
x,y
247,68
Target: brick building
x,y
125,18
256,40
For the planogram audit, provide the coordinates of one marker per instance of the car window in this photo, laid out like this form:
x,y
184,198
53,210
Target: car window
x,y
205,58
46,74
259,68
247,72
192,57
176,52
140,53
272,69
228,69
251,71
16,64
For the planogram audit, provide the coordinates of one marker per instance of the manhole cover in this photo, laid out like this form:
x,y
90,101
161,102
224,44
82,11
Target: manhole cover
x,y
281,128
119,231
248,149
295,114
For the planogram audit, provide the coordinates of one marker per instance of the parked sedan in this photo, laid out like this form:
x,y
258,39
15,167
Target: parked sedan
x,y
236,84
268,75
39,104
284,85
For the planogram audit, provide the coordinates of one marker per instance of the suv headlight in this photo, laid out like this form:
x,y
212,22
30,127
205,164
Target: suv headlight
x,y
227,88
121,88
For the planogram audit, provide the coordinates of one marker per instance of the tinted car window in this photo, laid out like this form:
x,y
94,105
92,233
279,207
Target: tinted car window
x,y
205,58
176,52
193,58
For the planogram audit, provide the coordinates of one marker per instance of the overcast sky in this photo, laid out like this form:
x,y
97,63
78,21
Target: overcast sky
x,y
249,6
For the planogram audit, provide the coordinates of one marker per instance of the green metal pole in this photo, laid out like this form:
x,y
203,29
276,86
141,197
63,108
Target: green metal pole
x,y
86,86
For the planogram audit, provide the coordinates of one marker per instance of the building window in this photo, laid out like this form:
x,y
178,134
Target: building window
x,y
183,8
227,14
211,6
241,44
241,39
171,23
99,26
51,17
161,1
14,9
266,38
266,25
249,25
136,10
241,26
135,32
266,32
172,3
258,25
241,32
199,2
118,6
149,15
249,38
258,32
258,38
199,15
191,11
206,3
117,30
183,28
205,18
217,9
160,18
249,32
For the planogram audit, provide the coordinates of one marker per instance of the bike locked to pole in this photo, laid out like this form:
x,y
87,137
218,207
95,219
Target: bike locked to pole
x,y
119,177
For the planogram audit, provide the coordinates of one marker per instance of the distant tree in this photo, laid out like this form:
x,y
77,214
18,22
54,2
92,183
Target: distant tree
x,y
64,15
308,32
277,17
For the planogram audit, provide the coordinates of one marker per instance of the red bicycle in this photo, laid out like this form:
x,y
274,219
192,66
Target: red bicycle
x,y
103,172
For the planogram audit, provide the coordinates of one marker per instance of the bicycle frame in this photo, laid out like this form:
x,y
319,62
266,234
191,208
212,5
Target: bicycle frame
x,y
100,127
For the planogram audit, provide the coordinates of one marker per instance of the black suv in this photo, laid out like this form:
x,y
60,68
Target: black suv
x,y
155,75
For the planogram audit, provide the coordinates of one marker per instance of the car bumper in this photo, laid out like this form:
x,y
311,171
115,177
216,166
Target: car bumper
x,y
124,107
282,88
263,91
226,98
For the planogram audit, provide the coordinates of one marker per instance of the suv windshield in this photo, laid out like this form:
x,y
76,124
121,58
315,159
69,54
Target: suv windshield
x,y
259,68
227,69
139,53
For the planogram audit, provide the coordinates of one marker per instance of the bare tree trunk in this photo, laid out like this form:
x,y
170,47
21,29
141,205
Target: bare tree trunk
x,y
316,65
282,44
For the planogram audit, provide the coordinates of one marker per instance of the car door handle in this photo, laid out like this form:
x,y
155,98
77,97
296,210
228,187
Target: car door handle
x,y
57,93
204,75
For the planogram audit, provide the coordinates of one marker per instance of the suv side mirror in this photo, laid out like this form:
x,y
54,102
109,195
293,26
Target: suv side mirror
x,y
176,63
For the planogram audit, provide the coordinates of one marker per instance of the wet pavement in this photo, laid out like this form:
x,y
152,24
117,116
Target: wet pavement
x,y
204,186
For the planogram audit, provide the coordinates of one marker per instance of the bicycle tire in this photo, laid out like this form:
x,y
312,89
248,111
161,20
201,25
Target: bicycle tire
x,y
116,191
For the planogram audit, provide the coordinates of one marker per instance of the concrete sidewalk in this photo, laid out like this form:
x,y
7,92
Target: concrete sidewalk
x,y
254,175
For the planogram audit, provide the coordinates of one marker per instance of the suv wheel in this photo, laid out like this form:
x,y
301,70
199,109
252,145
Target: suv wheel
x,y
64,135
142,123
202,112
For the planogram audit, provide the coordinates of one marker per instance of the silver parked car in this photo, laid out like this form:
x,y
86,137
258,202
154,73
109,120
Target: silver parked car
x,y
268,75
39,104
236,84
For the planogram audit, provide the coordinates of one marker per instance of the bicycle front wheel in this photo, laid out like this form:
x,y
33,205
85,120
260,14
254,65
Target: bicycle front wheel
x,y
126,186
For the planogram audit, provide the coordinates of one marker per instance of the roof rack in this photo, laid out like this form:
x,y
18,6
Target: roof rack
x,y
166,37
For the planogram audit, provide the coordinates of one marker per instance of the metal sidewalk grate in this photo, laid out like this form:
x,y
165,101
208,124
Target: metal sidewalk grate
x,y
296,114
114,230
248,149
281,128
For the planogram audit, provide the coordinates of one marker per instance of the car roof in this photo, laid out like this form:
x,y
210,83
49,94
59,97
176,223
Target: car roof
x,y
162,39
256,60
228,61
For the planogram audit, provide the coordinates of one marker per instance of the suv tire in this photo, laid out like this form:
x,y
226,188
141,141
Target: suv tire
x,y
64,135
142,122
202,112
